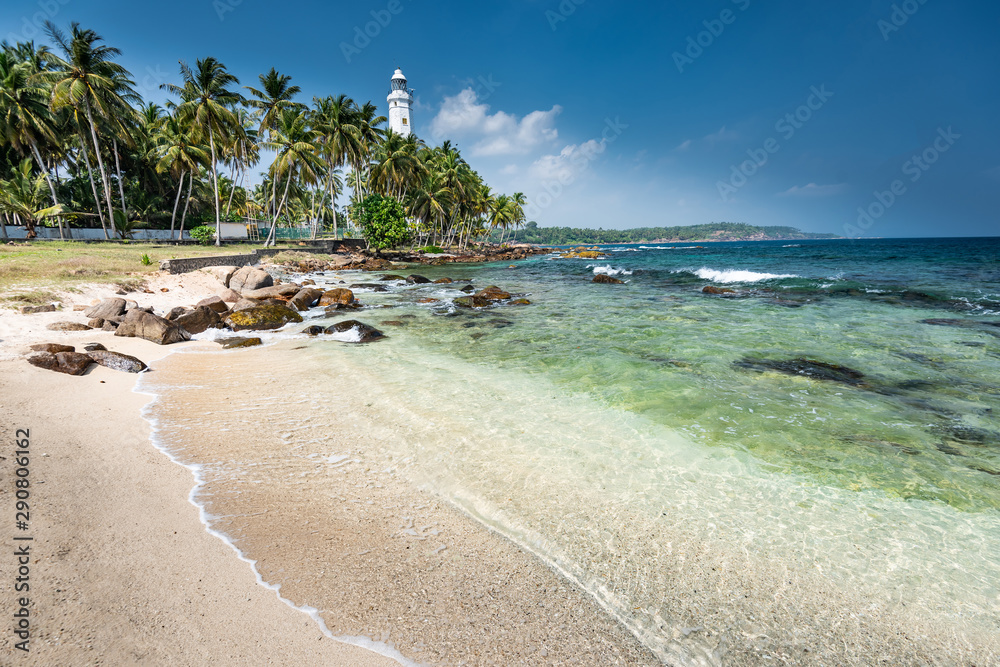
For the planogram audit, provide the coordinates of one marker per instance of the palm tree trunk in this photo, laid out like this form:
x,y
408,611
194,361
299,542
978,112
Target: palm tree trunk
x,y
271,237
3,227
100,164
69,230
93,187
180,232
121,187
215,189
52,189
232,192
177,199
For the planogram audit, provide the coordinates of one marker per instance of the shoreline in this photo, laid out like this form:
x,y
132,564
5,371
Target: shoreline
x,y
174,579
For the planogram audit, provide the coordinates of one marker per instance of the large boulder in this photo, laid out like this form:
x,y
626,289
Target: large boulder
x,y
493,293
337,296
286,291
474,301
244,304
52,348
305,299
417,280
140,324
223,274
365,333
107,309
117,361
250,278
68,326
215,303
262,318
199,319
607,280
229,296
71,363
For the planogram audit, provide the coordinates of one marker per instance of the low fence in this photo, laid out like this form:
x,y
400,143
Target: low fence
x,y
187,265
87,234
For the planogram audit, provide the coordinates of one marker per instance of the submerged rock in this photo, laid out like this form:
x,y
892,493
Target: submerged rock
x,y
262,318
492,293
375,287
366,333
391,276
712,289
70,363
417,280
443,281
314,330
816,370
118,361
238,342
607,280
474,301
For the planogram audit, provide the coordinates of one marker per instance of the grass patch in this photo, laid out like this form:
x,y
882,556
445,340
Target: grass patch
x,y
33,298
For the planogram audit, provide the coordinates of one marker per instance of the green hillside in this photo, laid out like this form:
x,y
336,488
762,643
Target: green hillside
x,y
715,231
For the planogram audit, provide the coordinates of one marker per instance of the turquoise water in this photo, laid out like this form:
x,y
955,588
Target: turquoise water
x,y
805,468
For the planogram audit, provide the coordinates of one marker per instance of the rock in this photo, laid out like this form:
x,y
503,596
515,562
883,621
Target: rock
x,y
68,326
109,326
940,322
520,302
52,348
286,291
79,309
250,278
394,323
711,289
92,347
816,370
443,281
95,323
230,296
417,280
118,361
214,302
366,333
140,324
607,280
71,363
375,287
129,305
338,296
308,282
305,299
392,277
175,313
244,304
223,274
428,300
262,318
314,330
238,341
108,308
468,289
493,293
474,301
29,310
199,320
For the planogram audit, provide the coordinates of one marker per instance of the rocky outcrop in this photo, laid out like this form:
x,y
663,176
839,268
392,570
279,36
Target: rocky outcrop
x,y
71,363
366,333
262,318
607,280
140,324
250,278
117,361
274,292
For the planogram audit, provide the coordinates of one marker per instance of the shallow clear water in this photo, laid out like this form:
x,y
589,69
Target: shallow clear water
x,y
670,451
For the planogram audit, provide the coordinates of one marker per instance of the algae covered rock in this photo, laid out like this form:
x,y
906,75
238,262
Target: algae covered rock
x,y
711,289
366,333
262,318
237,342
492,293
607,280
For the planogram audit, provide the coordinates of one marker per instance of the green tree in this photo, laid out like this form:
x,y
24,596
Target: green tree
x,y
23,196
383,222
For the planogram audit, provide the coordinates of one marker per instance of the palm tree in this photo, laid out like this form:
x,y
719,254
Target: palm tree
x,y
180,156
205,104
296,149
88,79
23,196
333,118
276,96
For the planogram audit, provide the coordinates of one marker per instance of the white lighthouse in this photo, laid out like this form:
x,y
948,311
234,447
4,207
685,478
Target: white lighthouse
x,y
400,98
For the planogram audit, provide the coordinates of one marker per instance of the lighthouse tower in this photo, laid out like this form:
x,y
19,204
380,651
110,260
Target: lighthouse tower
x,y
400,98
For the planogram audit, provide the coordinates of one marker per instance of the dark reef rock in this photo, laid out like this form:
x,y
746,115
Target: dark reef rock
x,y
366,333
816,370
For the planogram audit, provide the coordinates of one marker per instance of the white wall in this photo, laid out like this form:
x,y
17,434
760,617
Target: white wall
x,y
98,234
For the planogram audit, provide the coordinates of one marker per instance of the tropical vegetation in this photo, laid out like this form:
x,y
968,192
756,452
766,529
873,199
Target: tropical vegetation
x,y
715,231
80,147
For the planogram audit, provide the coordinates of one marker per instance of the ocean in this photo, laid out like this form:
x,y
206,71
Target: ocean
x,y
808,464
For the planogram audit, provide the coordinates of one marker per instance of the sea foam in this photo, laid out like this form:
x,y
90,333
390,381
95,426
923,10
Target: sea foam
x,y
738,276
608,270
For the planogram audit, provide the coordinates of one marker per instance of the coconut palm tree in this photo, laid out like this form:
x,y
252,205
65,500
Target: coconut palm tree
x,y
297,151
274,97
206,104
179,155
333,118
23,196
88,80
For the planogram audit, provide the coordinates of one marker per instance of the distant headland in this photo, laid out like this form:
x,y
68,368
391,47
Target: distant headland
x,y
714,231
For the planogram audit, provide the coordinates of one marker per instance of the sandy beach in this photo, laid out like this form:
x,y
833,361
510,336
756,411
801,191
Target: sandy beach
x,y
123,570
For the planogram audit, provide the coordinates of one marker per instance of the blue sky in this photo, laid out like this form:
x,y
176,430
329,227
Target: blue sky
x,y
859,117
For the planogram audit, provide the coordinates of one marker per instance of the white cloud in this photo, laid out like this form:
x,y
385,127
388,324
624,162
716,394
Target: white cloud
x,y
569,164
686,144
813,190
499,133
722,135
